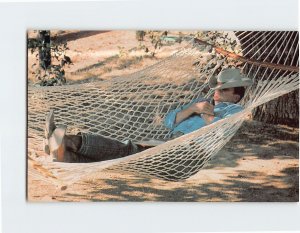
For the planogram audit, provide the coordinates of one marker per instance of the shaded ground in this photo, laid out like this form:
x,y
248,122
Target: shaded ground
x,y
67,37
259,164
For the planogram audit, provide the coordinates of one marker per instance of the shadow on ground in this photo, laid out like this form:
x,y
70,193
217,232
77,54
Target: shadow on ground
x,y
260,164
75,35
235,188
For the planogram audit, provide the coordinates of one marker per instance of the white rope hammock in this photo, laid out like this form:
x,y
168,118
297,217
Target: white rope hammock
x,y
134,106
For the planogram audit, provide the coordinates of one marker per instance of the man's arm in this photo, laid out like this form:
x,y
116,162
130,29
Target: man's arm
x,y
231,110
178,115
203,108
184,114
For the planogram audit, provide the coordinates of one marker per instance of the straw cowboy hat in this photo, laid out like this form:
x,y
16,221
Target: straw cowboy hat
x,y
229,78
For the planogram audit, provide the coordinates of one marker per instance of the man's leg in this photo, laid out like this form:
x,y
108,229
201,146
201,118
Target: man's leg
x,y
100,148
83,147
71,145
94,148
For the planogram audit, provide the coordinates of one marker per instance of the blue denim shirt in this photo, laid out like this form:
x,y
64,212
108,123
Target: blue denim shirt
x,y
194,122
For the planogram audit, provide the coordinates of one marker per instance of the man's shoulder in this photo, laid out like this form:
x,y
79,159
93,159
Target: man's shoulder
x,y
227,109
234,108
232,104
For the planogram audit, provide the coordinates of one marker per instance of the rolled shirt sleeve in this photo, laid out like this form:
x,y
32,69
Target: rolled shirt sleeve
x,y
169,120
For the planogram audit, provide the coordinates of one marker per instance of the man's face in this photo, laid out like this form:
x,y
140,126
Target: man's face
x,y
226,95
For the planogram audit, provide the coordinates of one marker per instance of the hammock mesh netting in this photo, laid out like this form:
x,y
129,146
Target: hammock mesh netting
x,y
134,106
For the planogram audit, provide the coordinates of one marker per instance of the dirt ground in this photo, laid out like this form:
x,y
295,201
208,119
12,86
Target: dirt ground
x,y
260,163
102,55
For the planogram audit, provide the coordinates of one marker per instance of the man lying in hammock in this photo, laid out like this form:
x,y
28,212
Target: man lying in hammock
x,y
229,88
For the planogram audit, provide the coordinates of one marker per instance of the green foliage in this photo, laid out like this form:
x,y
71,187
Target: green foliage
x,y
221,39
51,75
157,39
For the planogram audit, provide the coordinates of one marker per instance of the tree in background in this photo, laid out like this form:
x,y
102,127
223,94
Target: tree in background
x,y
158,39
44,49
50,59
140,35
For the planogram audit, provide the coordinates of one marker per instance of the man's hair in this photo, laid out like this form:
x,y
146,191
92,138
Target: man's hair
x,y
239,91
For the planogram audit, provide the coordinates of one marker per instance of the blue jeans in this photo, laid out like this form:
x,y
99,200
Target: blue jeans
x,y
95,148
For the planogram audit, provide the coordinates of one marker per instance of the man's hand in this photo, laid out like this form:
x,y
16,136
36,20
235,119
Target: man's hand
x,y
206,110
203,108
198,108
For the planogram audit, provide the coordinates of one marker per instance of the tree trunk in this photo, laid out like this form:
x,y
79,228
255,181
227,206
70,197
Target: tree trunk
x,y
283,110
44,49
